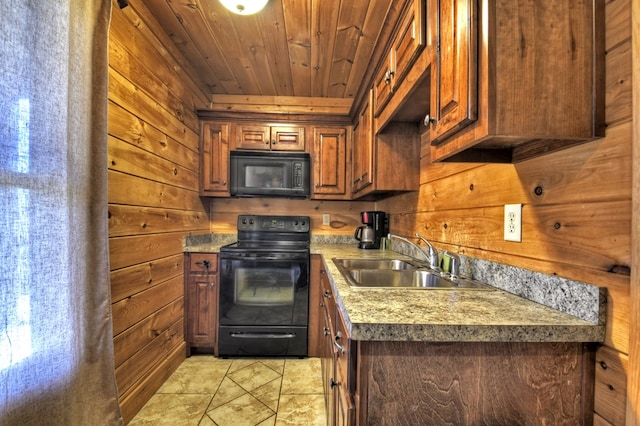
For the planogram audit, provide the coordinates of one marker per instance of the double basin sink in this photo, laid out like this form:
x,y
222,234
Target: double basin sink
x,y
398,273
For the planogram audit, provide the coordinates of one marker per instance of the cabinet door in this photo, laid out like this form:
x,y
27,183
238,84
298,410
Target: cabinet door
x,y
253,136
363,148
214,166
409,42
201,300
201,310
287,138
454,91
382,85
330,163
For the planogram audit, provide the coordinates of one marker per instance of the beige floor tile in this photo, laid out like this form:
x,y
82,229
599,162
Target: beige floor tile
x,y
302,376
172,410
253,376
228,391
299,410
269,393
197,375
271,421
243,411
276,364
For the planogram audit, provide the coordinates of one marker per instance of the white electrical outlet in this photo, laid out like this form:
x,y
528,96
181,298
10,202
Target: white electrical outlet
x,y
326,219
513,222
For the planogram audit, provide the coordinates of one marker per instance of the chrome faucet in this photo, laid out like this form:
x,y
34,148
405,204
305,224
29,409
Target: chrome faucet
x,y
432,254
434,261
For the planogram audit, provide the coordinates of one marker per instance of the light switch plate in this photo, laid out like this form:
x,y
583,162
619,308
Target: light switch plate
x,y
326,219
513,222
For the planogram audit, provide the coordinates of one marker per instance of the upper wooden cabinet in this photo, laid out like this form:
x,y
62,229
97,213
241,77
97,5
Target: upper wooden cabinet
x,y
405,47
514,79
330,163
265,137
214,159
386,162
362,159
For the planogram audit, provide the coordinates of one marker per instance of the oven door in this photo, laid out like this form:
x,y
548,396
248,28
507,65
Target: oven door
x,y
264,304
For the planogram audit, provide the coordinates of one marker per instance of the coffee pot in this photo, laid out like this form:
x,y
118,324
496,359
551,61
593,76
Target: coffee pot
x,y
373,229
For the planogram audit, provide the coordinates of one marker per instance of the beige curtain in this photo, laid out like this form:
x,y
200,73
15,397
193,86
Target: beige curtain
x,y
56,349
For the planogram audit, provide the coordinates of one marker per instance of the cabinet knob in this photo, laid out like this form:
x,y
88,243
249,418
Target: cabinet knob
x,y
428,120
224,182
387,76
334,383
327,294
274,142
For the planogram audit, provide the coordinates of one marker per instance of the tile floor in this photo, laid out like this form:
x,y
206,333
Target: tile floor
x,y
208,391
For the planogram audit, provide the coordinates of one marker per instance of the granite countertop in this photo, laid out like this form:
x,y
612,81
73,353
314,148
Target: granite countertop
x,y
447,315
437,315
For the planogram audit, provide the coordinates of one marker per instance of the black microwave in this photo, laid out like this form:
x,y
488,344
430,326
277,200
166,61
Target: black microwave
x,y
279,174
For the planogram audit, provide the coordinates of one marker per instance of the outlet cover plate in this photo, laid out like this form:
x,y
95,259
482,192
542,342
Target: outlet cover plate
x,y
513,222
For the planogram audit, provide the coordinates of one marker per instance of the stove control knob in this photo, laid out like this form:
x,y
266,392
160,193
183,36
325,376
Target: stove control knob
x,y
244,221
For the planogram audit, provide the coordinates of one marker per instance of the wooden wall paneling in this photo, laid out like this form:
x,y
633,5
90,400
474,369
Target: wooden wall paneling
x,y
611,385
139,364
135,26
134,66
128,281
572,242
633,379
129,311
135,220
136,338
142,105
131,190
618,84
618,23
129,128
126,158
345,216
127,251
144,389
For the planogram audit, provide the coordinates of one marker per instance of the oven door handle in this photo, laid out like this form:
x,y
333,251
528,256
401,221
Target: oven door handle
x,y
241,335
248,256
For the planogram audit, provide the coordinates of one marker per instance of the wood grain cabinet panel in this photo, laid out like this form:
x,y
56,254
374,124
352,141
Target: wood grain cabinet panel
x,y
201,301
404,49
512,80
214,160
270,137
330,163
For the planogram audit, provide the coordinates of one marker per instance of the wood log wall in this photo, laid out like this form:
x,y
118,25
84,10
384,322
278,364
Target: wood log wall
x,y
578,227
153,199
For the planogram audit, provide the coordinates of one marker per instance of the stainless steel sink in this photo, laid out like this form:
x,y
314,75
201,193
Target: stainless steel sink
x,y
398,273
376,264
389,278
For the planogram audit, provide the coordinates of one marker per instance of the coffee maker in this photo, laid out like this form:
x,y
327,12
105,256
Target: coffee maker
x,y
374,227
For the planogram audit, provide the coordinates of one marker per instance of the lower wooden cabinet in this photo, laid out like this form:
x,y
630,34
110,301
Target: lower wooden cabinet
x,y
336,356
201,302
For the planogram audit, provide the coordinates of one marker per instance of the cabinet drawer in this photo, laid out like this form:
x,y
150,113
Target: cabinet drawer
x,y
202,263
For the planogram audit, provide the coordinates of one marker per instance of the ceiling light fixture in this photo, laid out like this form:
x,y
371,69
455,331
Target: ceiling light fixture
x,y
244,7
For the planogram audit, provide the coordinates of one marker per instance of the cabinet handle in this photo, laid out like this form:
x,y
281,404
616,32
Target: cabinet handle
x,y
388,75
428,120
326,294
206,264
333,383
337,345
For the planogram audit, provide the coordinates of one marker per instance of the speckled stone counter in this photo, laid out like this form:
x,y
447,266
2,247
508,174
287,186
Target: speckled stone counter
x,y
445,315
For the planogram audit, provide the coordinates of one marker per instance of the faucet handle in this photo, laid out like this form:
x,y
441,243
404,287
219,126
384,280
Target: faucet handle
x,y
450,263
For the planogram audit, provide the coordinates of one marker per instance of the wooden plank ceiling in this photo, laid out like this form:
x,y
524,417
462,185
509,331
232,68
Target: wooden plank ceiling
x,y
291,49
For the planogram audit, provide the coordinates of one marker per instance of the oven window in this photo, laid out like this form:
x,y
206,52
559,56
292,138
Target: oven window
x,y
264,176
265,286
